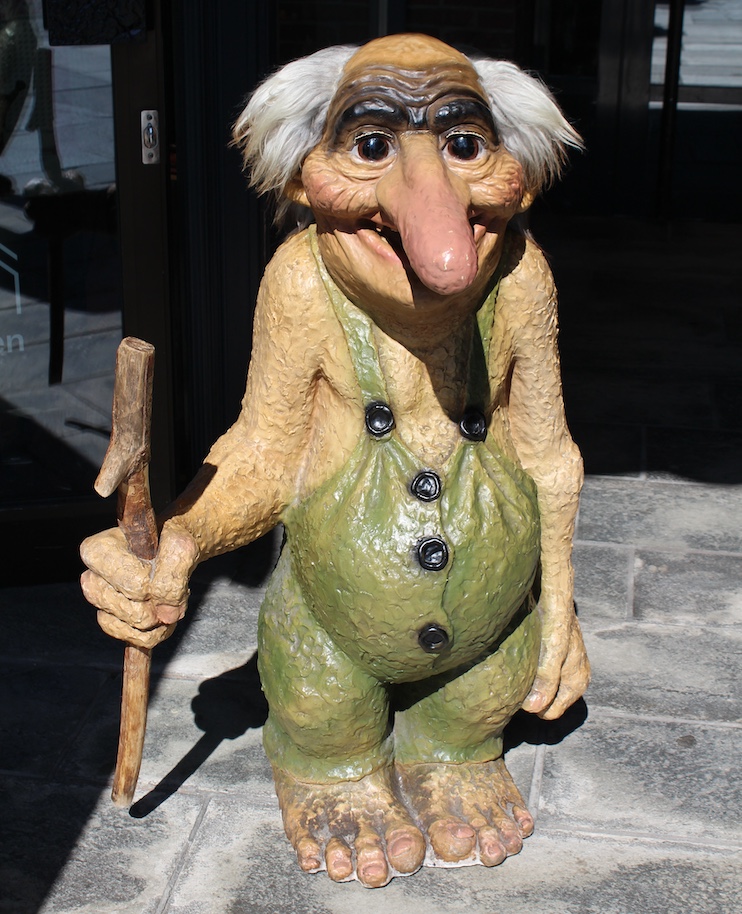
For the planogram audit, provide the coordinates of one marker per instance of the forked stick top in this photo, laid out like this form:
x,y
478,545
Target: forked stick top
x,y
129,447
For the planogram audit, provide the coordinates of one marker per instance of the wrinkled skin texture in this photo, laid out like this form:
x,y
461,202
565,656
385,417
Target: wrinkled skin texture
x,y
411,206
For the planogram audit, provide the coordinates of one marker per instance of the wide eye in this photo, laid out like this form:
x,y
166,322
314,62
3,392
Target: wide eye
x,y
464,146
374,147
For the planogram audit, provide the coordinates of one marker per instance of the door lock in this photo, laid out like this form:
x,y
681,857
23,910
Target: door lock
x,y
150,126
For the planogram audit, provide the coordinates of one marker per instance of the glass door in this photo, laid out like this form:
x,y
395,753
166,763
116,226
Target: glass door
x,y
60,274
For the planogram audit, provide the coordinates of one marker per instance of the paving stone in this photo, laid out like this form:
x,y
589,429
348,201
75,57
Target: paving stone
x,y
661,515
603,577
678,671
242,863
625,776
688,589
68,850
220,634
54,624
42,708
204,733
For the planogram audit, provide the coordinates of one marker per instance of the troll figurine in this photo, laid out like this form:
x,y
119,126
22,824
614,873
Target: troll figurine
x,y
403,420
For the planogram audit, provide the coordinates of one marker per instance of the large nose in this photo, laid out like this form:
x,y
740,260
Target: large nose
x,y
429,207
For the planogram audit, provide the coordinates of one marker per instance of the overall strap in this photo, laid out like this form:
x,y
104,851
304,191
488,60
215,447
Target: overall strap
x,y
357,327
478,387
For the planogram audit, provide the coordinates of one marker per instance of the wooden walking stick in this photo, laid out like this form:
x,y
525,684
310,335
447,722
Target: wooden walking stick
x,y
126,467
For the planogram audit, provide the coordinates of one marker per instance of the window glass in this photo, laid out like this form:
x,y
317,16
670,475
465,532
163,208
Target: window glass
x,y
60,277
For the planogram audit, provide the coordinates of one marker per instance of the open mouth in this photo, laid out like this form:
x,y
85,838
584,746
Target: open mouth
x,y
393,239
386,240
447,262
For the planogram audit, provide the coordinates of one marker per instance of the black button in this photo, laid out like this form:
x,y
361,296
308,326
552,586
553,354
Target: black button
x,y
426,486
433,639
432,553
473,425
379,419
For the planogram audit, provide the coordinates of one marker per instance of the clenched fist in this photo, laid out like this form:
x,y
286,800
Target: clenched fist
x,y
139,601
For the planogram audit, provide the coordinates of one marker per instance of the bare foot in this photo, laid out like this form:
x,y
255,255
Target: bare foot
x,y
350,828
471,812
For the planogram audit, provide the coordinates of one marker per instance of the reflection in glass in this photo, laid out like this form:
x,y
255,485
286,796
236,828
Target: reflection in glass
x,y
60,288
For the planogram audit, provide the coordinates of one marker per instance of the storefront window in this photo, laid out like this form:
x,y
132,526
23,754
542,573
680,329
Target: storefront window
x,y
60,276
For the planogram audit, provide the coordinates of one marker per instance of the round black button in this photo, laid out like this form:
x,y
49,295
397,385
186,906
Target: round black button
x,y
426,486
473,425
433,638
432,553
379,419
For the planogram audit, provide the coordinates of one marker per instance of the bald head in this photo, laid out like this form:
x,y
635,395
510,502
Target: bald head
x,y
396,80
412,52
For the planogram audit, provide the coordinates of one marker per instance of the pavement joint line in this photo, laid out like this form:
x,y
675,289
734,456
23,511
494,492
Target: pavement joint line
x,y
642,478
661,546
164,903
730,846
256,800
115,669
534,793
630,585
728,628
606,711
602,544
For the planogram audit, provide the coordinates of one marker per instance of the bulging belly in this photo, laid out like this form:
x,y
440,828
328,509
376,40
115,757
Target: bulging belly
x,y
414,573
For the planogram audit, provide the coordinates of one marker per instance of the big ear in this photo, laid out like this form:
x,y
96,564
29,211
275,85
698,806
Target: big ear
x,y
528,120
526,200
294,191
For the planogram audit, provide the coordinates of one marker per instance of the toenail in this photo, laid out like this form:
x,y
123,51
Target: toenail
x,y
400,845
492,851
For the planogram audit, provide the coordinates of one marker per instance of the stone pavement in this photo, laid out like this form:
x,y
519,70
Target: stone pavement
x,y
636,791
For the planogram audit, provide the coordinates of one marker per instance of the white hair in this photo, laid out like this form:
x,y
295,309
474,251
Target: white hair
x,y
529,122
285,118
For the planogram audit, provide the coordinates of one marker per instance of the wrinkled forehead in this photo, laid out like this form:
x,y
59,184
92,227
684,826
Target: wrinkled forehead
x,y
383,87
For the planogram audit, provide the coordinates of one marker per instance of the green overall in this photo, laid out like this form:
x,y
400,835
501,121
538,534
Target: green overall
x,y
394,573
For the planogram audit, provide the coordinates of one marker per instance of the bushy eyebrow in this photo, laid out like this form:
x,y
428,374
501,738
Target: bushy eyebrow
x,y
458,110
382,111
398,113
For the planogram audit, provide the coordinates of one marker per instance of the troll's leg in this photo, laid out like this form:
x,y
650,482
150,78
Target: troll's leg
x,y
327,738
448,749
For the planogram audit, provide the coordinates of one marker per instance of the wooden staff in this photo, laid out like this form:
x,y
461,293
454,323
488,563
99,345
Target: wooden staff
x,y
126,467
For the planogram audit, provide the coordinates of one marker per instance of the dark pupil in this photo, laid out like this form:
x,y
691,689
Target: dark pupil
x,y
374,148
463,147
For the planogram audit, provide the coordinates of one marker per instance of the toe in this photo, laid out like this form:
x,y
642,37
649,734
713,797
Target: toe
x,y
510,837
405,847
452,840
508,830
371,866
491,849
524,820
309,855
339,859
